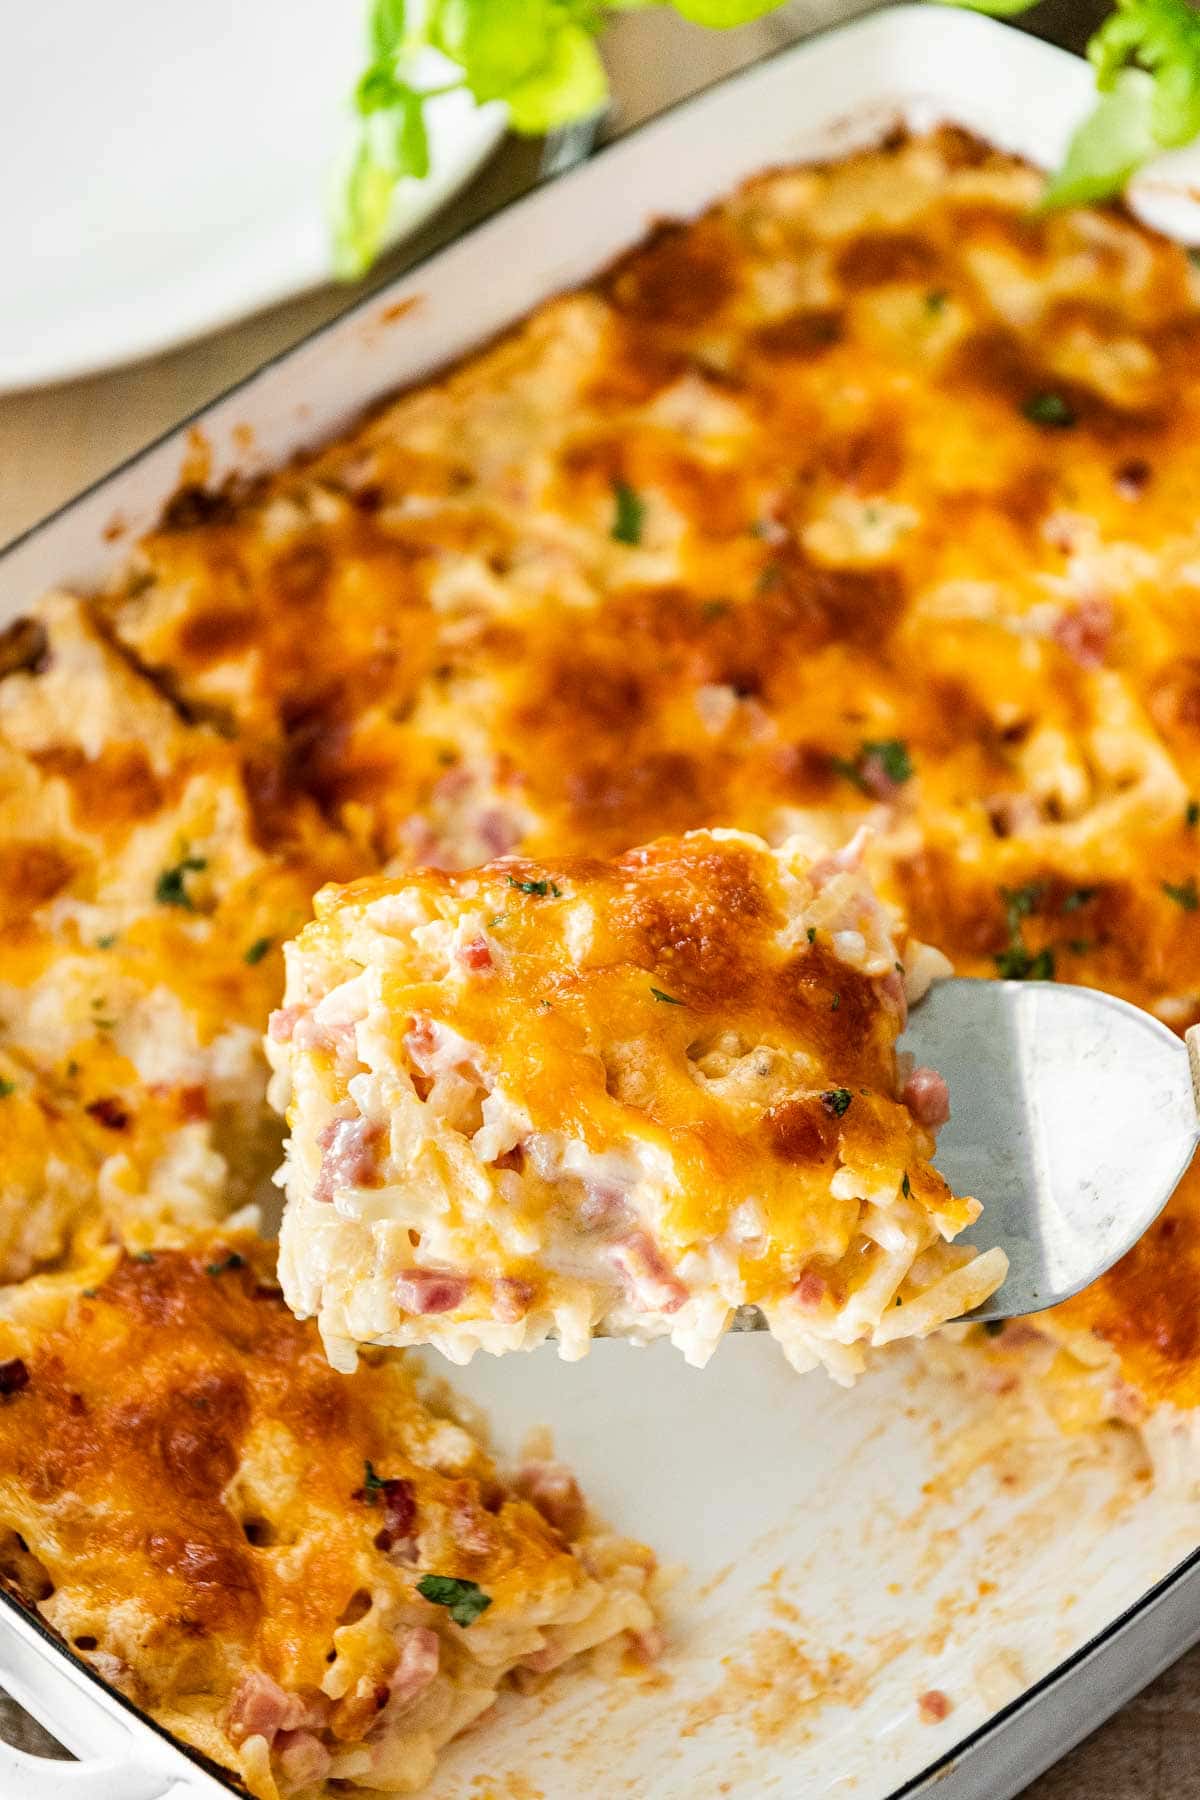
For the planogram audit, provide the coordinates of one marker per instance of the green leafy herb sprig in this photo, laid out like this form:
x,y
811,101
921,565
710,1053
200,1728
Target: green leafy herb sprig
x,y
1146,55
537,56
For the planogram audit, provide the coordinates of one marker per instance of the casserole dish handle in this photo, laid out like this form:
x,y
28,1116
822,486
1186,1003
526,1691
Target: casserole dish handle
x,y
118,1760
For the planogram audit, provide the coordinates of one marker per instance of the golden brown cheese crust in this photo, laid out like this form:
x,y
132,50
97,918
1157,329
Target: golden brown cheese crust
x,y
910,461
625,1097
196,1486
147,878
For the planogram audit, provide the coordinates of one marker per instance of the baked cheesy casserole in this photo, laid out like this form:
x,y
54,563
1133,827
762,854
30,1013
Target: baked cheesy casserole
x,y
308,1576
624,1097
869,498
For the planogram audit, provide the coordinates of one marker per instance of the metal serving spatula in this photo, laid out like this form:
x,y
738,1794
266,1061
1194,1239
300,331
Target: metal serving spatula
x,y
1073,1117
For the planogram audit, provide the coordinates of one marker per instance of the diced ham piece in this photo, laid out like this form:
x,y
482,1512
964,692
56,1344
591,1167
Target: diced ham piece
x,y
893,988
927,1098
875,778
419,1656
351,1156
602,1207
396,1506
430,1291
838,862
810,1290
933,1707
555,1492
1086,633
497,832
475,954
296,1025
511,1298
261,1708
301,1760
282,1023
649,1280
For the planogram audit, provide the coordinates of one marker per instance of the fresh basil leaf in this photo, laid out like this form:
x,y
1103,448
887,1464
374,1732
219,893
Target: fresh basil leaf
x,y
1163,38
723,13
496,43
569,85
363,212
412,138
377,90
385,28
1114,140
464,1600
996,9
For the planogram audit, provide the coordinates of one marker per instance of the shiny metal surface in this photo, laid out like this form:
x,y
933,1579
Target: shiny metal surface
x,y
1073,1118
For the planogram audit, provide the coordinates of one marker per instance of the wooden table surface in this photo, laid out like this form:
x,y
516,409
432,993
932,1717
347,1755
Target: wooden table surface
x,y
55,440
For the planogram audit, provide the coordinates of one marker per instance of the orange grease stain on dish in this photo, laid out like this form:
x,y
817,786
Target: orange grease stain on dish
x,y
400,309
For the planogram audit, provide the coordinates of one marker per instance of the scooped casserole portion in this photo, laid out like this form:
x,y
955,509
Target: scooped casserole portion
x,y
307,1576
625,1097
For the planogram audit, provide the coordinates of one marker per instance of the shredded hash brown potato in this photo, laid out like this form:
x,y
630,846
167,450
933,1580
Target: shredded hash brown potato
x,y
872,454
147,879
237,1537
626,1097
870,497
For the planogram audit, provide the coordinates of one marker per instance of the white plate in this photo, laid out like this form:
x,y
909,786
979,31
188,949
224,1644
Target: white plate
x,y
987,1589
166,167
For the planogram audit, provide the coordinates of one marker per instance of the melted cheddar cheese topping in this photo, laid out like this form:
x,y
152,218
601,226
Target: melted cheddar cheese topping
x,y
870,453
147,879
236,1536
625,1096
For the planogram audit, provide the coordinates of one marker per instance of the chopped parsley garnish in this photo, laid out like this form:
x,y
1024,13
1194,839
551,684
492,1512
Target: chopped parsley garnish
x,y
232,1261
1050,409
1019,964
143,1256
373,1484
107,941
1080,946
769,576
1020,902
935,302
1191,817
6,1087
893,754
496,919
812,934
1079,898
630,514
1183,893
170,889
540,888
667,999
890,754
257,950
906,1186
714,609
464,1600
835,1003
836,1100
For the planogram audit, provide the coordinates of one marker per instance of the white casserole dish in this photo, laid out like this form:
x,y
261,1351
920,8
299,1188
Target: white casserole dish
x,y
835,1521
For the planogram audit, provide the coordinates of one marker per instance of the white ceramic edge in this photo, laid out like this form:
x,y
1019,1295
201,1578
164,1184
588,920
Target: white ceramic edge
x,y
1017,92
119,1757
459,149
